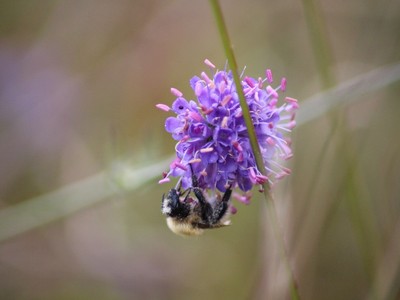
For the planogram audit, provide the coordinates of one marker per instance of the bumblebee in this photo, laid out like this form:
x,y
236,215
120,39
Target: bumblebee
x,y
189,217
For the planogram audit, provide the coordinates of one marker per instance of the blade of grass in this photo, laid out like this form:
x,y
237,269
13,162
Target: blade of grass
x,y
347,92
319,41
72,198
254,145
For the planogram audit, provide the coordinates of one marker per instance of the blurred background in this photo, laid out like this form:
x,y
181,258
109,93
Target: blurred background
x,y
79,81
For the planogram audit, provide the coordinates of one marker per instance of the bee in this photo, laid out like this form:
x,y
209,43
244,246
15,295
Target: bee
x,y
189,217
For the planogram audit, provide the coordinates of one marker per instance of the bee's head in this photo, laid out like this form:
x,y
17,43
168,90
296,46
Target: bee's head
x,y
173,207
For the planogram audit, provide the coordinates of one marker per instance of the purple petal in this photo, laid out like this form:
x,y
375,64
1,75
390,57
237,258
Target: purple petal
x,y
199,130
193,82
223,136
173,124
180,105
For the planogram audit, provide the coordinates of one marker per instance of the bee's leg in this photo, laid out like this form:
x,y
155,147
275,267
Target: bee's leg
x,y
210,214
206,210
195,182
221,207
198,191
227,194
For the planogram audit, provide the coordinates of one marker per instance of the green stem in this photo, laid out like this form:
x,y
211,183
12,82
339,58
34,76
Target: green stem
x,y
253,142
233,66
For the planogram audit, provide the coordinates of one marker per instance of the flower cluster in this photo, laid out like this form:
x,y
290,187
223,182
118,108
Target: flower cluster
x,y
212,135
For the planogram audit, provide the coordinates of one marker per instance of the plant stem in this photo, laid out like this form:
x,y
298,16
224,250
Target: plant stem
x,y
253,142
233,66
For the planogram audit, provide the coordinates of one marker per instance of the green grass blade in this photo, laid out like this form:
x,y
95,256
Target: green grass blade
x,y
72,198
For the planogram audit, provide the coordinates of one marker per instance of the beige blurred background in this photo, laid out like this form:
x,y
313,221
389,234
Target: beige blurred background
x,y
79,81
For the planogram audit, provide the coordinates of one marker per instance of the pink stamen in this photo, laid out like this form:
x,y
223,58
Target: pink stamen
x,y
204,173
185,138
260,82
247,90
195,116
288,156
240,157
203,108
252,173
232,210
273,102
180,166
272,92
222,87
268,73
224,122
164,180
249,81
163,107
252,176
194,160
261,179
209,63
226,100
238,113
206,110
291,100
173,164
245,199
205,77
292,124
176,92
283,84
207,150
283,145
237,146
287,170
292,107
270,141
295,105
280,175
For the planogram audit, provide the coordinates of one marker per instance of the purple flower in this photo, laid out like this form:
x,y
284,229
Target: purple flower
x,y
212,135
